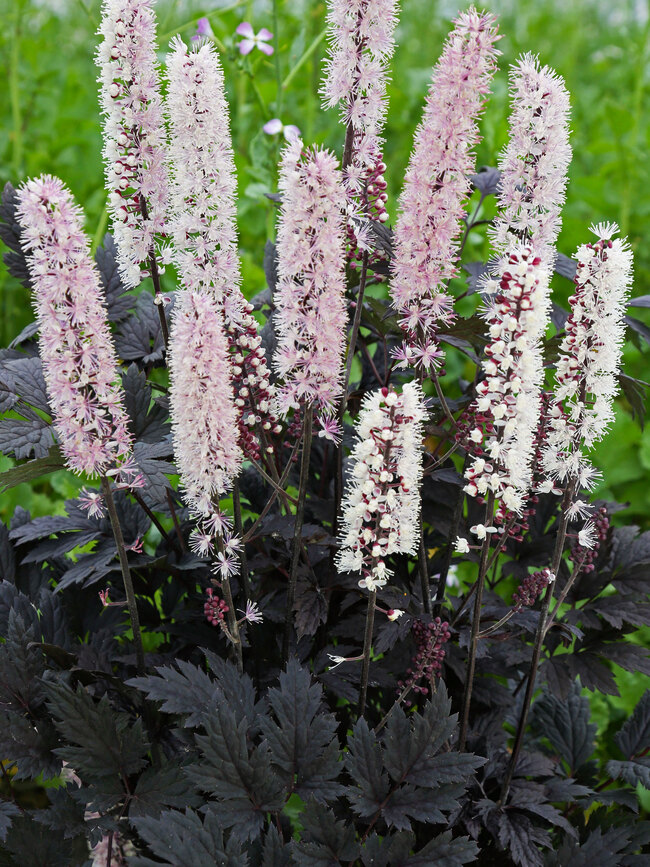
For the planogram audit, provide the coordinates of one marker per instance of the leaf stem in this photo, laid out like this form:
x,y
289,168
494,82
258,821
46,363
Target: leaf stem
x,y
539,640
367,646
476,624
126,574
297,529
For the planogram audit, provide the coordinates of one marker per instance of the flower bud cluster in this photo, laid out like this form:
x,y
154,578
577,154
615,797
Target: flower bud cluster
x,y
507,405
311,316
430,640
584,558
531,588
134,132
369,206
382,502
590,354
214,608
431,207
79,362
535,162
361,45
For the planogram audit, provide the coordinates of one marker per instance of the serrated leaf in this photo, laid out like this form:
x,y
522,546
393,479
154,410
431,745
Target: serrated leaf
x,y
24,437
186,690
633,771
52,462
445,851
566,725
7,812
183,840
139,337
302,735
150,422
29,747
103,742
237,775
634,736
34,845
364,762
160,788
117,302
486,180
565,266
275,852
324,840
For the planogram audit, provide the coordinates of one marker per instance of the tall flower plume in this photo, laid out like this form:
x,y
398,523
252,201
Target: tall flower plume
x,y
506,411
382,502
79,361
203,220
134,132
428,227
310,317
361,45
535,162
204,417
590,354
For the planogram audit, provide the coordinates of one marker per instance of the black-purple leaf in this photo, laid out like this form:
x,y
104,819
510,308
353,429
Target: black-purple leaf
x,y
183,840
445,851
565,266
302,736
7,812
566,725
26,437
634,736
117,301
364,762
633,771
486,180
160,788
324,840
185,690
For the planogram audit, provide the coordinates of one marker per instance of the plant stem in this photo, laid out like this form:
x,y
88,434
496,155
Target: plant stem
x,y
239,530
563,595
348,147
278,68
476,625
307,53
367,645
177,526
455,522
155,276
539,640
424,572
297,529
233,626
126,574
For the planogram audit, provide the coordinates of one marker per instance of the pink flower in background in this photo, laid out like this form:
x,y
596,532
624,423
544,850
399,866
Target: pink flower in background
x,y
253,40
203,30
311,315
431,207
79,362
275,126
134,132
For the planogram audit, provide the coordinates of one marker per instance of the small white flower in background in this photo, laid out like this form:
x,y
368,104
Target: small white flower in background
x,y
394,613
480,530
579,509
588,536
337,660
253,40
203,30
275,126
227,565
461,546
92,502
201,543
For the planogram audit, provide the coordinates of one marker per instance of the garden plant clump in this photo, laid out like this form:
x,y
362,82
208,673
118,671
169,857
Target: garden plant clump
x,y
336,587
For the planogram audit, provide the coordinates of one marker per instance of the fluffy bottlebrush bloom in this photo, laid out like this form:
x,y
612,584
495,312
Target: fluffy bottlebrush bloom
x,y
590,354
310,317
202,223
535,162
361,45
506,410
79,361
428,226
204,417
134,132
382,502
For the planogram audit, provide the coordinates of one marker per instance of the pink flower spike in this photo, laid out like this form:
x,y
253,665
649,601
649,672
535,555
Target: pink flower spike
x,y
252,40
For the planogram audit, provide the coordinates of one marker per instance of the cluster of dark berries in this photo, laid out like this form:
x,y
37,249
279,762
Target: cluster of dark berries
x,y
215,609
530,588
585,558
430,640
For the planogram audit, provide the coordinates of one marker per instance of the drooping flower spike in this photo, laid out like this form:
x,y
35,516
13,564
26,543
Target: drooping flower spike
x,y
204,417
310,317
535,162
507,407
382,503
134,132
431,207
202,222
590,355
79,361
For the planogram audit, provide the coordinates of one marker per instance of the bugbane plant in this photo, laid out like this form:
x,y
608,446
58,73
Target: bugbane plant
x,y
310,315
382,504
134,132
276,679
431,207
79,361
